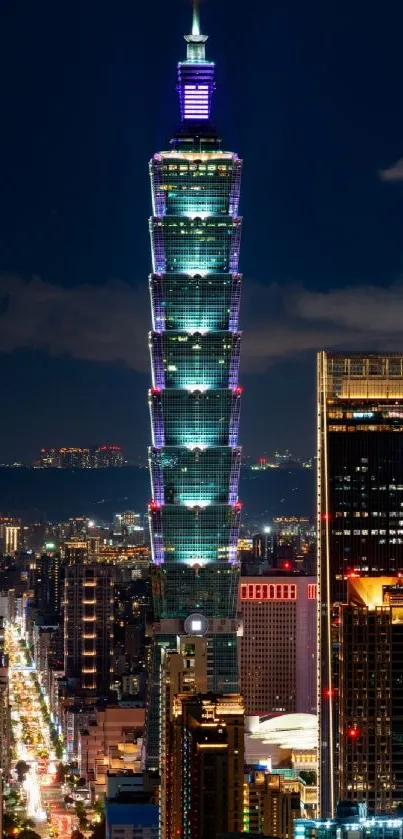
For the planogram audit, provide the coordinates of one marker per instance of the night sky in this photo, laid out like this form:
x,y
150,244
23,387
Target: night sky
x,y
308,93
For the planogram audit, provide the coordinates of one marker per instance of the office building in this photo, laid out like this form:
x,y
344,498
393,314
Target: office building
x,y
278,644
88,626
360,496
371,693
206,765
195,396
130,808
351,821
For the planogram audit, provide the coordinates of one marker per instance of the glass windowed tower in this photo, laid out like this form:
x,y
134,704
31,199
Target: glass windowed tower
x,y
195,396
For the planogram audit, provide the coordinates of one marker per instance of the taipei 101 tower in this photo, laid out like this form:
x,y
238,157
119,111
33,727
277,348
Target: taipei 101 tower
x,y
195,397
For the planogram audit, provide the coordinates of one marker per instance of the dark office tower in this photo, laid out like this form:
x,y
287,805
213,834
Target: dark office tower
x,y
360,498
195,396
88,627
49,585
371,694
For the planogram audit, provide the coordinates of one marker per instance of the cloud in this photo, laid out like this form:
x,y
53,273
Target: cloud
x,y
95,323
109,323
392,173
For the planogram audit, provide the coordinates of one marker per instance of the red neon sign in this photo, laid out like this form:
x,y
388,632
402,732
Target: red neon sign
x,y
268,591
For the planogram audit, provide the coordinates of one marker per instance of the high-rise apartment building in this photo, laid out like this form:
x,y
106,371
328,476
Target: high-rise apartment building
x,y
195,396
88,626
278,644
76,552
271,803
206,765
360,504
10,530
371,693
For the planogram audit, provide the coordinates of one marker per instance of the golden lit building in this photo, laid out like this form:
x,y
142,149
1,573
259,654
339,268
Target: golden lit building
x,y
371,693
272,800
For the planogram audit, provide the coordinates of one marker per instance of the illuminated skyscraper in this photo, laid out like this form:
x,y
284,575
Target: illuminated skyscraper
x,y
360,512
195,398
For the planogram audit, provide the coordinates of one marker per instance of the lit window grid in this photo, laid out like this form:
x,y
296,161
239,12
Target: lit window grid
x,y
195,245
195,536
366,376
195,187
181,418
180,476
190,361
206,303
177,588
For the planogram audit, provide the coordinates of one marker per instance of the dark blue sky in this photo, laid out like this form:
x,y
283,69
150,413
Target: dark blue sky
x,y
310,94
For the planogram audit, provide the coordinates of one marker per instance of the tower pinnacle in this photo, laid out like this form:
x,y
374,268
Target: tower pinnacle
x,y
196,18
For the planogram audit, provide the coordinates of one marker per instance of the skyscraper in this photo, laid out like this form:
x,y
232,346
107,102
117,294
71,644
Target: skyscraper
x,y
195,396
371,693
88,627
278,644
360,506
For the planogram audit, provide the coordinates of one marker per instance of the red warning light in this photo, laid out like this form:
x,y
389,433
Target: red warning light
x,y
286,565
154,506
325,516
329,693
155,391
353,732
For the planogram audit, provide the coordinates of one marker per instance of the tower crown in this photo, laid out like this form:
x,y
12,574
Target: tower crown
x,y
195,76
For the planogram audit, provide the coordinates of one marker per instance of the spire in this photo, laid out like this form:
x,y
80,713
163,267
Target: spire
x,y
196,18
195,75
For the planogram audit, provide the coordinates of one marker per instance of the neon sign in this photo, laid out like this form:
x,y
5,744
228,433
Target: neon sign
x,y
268,591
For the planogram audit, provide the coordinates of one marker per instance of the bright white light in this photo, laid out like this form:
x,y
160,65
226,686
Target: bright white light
x,y
192,388
197,214
193,446
197,503
267,529
196,626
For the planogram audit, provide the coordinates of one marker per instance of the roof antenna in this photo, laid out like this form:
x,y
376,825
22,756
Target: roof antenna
x,y
196,19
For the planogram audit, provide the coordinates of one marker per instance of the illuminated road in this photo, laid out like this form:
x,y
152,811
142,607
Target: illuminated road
x,y
31,732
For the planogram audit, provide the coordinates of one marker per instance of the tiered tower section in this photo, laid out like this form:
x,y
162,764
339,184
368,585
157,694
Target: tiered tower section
x,y
195,396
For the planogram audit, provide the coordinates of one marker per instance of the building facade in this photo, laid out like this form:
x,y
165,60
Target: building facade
x,y
195,396
206,765
371,694
88,626
360,522
278,644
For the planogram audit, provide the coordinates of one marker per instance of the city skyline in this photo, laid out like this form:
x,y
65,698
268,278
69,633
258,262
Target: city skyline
x,y
74,190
